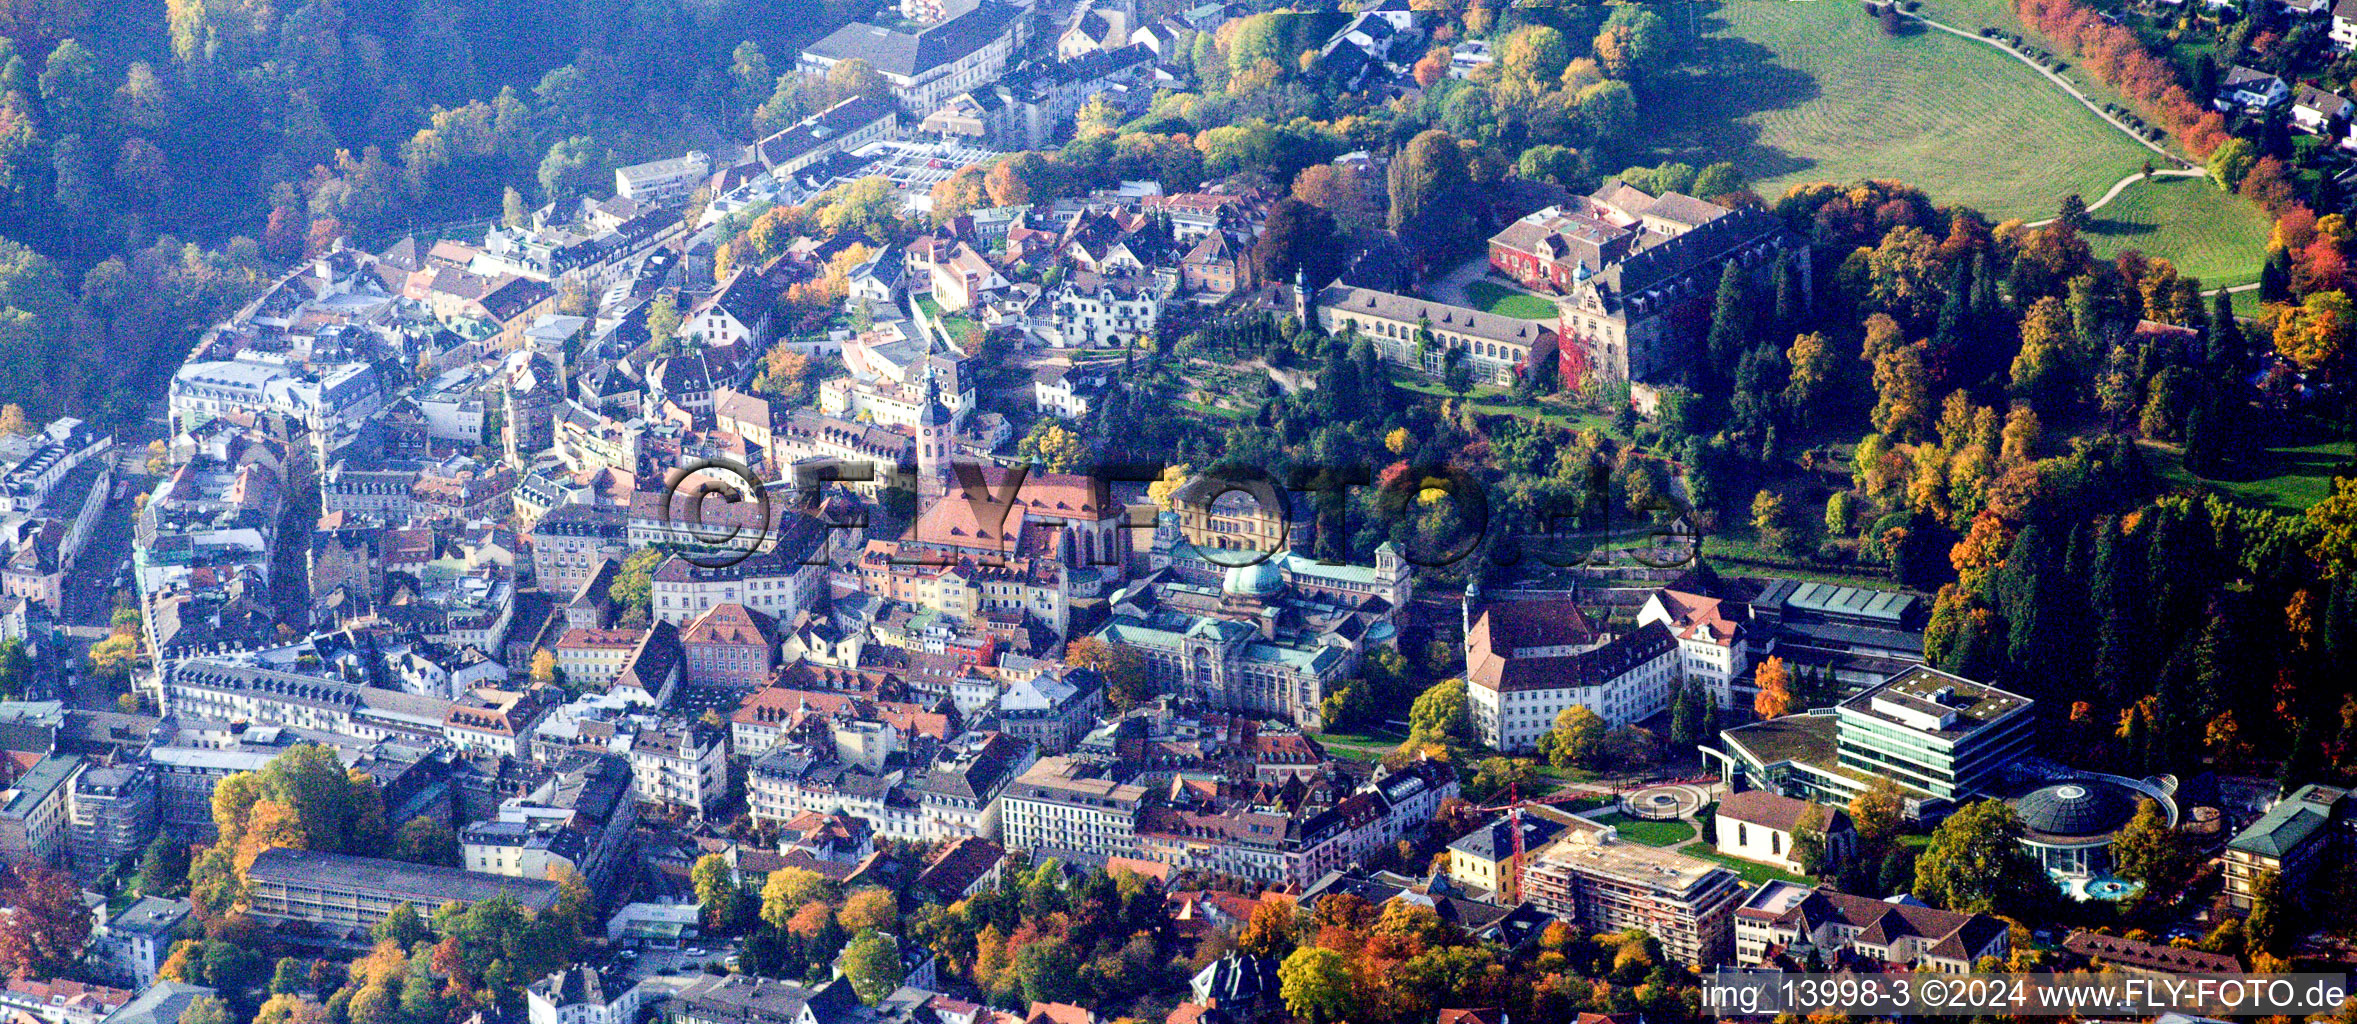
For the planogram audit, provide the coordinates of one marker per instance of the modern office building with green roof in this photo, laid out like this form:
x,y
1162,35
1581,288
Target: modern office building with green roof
x,y
1941,737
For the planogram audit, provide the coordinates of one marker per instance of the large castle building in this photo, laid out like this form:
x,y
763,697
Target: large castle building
x,y
1634,275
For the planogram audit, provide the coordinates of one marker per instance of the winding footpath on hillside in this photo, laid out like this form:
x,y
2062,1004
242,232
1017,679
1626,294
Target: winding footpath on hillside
x,y
2183,170
2065,83
2121,185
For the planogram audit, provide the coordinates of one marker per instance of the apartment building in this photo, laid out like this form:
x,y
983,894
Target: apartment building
x,y
1794,920
1067,804
680,765
110,816
579,819
1603,883
33,812
2290,839
358,892
572,541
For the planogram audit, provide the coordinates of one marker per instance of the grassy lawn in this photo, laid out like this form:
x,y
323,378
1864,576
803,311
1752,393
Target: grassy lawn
x,y
1735,542
2246,304
1800,92
1572,774
1211,410
1492,297
1360,746
1756,874
2302,474
2208,234
1649,833
1974,15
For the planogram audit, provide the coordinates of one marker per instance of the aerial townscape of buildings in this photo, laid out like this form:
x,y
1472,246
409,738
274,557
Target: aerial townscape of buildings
x,y
520,536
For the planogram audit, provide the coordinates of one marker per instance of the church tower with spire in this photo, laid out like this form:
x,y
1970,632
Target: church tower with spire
x,y
935,430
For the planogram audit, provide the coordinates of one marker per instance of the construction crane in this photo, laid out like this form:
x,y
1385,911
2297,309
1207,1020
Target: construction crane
x,y
1513,810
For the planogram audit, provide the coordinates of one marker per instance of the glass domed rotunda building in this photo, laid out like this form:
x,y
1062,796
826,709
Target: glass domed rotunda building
x,y
2069,824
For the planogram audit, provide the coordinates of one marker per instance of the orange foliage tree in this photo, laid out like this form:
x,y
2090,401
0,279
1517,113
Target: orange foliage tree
x,y
1775,696
2112,54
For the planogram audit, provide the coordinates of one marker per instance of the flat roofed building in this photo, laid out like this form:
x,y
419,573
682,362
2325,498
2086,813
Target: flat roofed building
x,y
1934,730
1604,883
33,811
663,181
1942,738
358,892
1064,803
111,814
137,939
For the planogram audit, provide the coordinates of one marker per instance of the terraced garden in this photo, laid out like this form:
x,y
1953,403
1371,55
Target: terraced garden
x,y
1813,91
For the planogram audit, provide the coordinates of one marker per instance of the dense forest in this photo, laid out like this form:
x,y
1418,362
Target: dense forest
x,y
157,159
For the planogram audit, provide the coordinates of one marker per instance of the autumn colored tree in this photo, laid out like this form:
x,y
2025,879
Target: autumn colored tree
x,y
872,907
1815,377
1774,699
1977,864
1052,447
1576,740
1432,67
1441,716
1772,521
1270,932
1128,682
46,927
1316,985
871,962
958,193
2317,333
2148,850
1902,393
716,891
810,920
1537,53
1879,811
1017,179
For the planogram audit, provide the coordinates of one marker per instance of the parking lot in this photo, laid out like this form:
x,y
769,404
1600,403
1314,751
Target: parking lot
x,y
677,966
